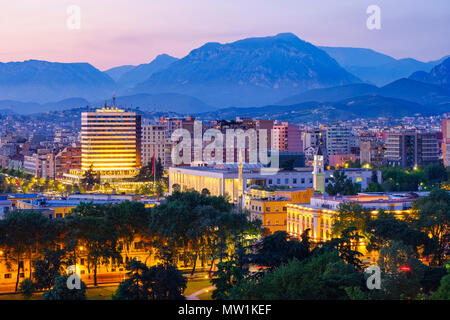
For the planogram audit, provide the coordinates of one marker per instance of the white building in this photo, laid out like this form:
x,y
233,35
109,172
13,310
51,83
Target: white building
x,y
223,179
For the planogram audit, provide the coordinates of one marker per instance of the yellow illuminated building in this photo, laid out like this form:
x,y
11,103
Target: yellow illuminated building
x,y
111,142
318,215
271,212
270,206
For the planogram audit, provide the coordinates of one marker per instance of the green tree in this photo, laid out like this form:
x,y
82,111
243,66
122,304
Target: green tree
x,y
278,248
374,187
324,276
401,271
147,173
27,288
60,291
22,234
443,293
398,179
385,227
340,184
433,217
435,173
96,233
161,282
227,275
351,215
90,179
347,246
47,269
193,224
130,220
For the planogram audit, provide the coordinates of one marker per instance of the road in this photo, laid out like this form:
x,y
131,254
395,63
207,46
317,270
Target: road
x,y
102,278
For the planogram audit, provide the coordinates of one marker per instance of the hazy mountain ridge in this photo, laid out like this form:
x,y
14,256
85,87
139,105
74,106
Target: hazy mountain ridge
x,y
439,75
251,71
144,71
369,106
161,102
375,67
116,72
405,89
164,102
42,81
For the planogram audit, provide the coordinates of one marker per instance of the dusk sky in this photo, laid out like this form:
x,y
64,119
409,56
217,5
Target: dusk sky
x,y
118,32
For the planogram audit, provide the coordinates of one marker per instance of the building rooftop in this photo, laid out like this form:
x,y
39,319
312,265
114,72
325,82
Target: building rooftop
x,y
22,195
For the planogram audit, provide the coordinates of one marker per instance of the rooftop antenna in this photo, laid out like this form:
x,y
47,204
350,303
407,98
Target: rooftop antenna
x,y
114,100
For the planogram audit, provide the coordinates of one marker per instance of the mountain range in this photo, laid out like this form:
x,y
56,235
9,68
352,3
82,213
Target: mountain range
x,y
249,72
274,71
134,75
377,68
406,89
42,81
367,106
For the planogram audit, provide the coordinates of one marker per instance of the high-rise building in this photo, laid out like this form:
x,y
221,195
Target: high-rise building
x,y
338,139
446,141
41,164
372,152
111,142
67,159
287,137
153,143
410,148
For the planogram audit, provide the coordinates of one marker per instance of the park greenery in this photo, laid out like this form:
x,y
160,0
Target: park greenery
x,y
187,229
15,181
417,178
192,230
412,255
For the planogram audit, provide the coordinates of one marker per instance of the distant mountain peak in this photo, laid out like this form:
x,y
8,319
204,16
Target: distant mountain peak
x,y
144,71
251,71
439,75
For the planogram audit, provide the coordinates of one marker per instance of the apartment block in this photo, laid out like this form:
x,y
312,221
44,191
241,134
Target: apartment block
x,y
410,148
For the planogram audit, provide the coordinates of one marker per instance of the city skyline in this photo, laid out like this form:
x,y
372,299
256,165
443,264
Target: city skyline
x,y
296,150
115,33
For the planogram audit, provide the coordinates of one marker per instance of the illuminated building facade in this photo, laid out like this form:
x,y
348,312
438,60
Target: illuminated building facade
x,y
270,206
111,143
222,179
271,212
318,214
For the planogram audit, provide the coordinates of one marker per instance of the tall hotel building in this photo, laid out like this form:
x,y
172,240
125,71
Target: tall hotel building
x,y
111,143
